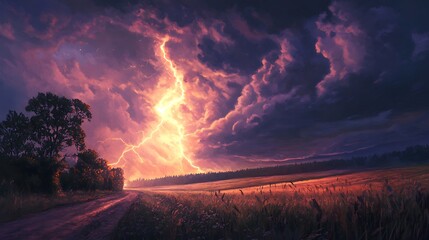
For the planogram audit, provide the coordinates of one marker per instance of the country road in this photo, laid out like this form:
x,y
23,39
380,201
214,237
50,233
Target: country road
x,y
90,220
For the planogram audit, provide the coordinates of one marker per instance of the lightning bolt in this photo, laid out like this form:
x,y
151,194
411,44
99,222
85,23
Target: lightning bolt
x,y
167,110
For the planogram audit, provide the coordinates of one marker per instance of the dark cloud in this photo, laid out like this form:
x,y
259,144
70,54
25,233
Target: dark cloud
x,y
387,79
265,81
10,98
234,59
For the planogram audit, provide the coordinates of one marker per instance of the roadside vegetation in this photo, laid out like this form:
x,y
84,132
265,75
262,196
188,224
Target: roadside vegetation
x,y
354,206
35,171
19,204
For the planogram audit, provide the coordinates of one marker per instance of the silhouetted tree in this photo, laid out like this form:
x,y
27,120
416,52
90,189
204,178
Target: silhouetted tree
x,y
57,123
92,172
30,149
18,167
15,134
117,179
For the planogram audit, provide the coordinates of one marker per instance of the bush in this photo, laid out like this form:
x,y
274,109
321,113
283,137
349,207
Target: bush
x,y
92,173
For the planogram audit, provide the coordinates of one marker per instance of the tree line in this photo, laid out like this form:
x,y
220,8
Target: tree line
x,y
32,148
413,154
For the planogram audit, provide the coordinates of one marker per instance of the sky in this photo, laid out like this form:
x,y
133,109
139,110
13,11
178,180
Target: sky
x,y
192,86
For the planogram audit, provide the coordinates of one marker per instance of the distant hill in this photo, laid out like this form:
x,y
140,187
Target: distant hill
x,y
411,155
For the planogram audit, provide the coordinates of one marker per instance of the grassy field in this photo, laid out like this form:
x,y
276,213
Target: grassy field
x,y
381,204
242,182
15,205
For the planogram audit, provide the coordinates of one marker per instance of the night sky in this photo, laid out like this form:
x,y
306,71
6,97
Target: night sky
x,y
192,86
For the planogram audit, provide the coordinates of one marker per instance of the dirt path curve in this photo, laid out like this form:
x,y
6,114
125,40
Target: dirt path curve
x,y
91,220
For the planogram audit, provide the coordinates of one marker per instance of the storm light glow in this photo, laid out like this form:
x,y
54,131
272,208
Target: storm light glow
x,y
199,86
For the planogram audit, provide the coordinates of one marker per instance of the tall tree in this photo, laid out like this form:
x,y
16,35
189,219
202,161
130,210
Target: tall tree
x,y
30,148
17,165
15,135
57,123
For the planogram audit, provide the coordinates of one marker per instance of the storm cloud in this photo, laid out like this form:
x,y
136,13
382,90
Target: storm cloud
x,y
265,81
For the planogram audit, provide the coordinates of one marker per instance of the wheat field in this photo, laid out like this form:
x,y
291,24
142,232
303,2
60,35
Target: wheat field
x,y
381,204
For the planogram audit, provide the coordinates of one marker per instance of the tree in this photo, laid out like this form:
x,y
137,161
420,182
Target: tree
x,y
15,134
117,179
91,173
57,123
17,164
90,168
30,149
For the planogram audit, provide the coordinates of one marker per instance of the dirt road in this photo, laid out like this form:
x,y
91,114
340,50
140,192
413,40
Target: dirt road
x,y
91,220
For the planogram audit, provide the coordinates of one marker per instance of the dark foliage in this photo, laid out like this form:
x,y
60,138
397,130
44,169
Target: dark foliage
x,y
57,123
117,179
92,172
15,133
31,147
415,154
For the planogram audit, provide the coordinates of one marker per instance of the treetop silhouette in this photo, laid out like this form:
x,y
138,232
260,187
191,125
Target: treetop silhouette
x,y
31,148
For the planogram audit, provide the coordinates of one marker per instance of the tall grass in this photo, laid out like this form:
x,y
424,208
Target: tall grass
x,y
14,205
289,212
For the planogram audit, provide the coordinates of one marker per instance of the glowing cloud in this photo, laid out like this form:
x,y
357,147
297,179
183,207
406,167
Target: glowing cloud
x,y
209,86
168,134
